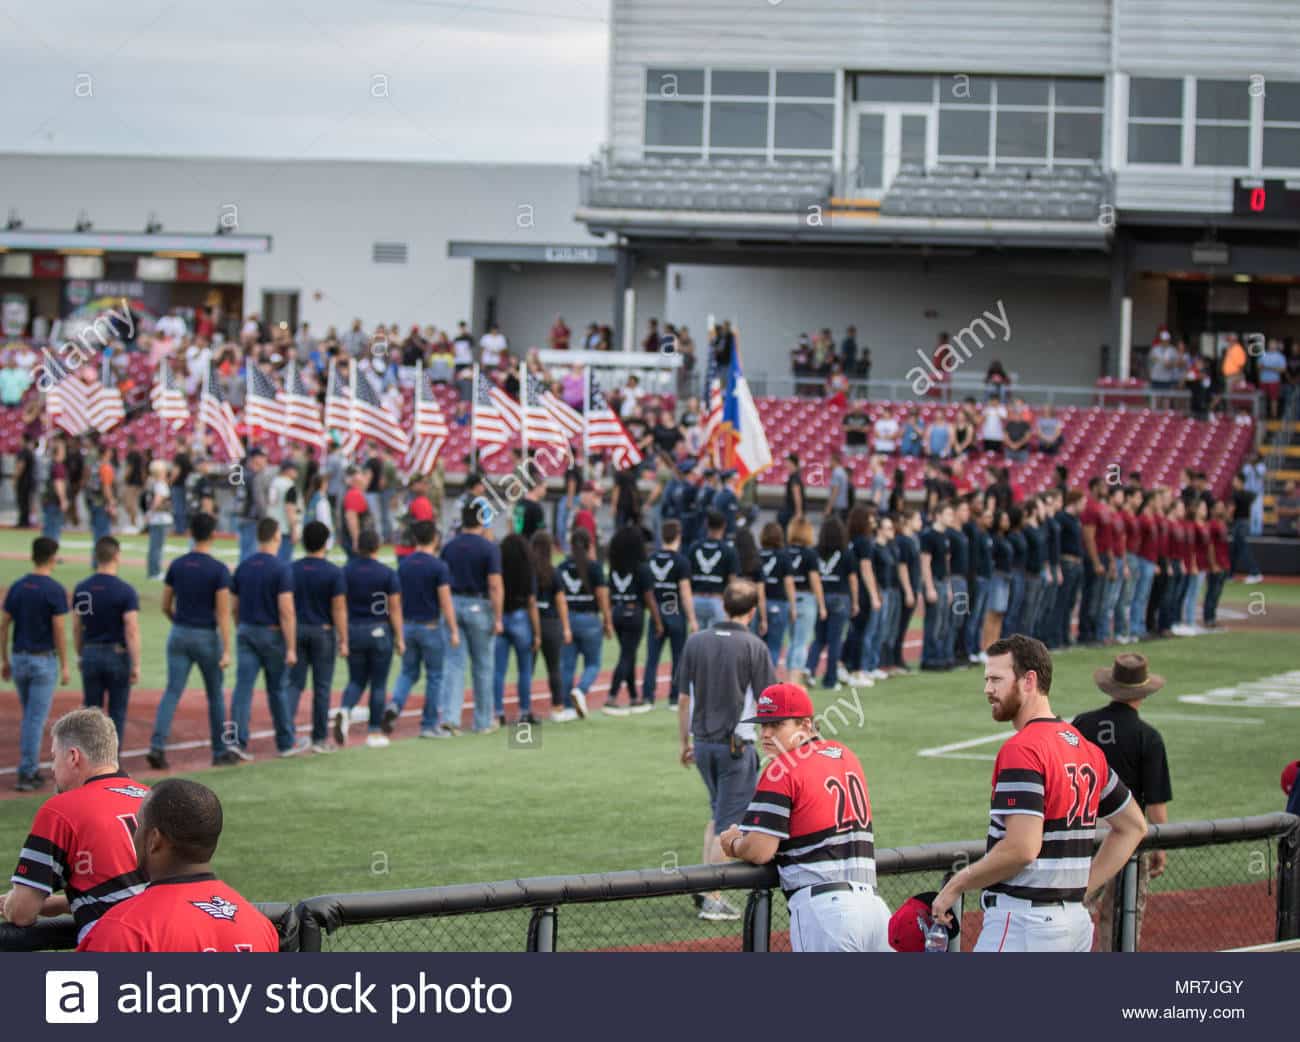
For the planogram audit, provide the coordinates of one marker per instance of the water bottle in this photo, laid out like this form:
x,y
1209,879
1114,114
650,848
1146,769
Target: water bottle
x,y
936,936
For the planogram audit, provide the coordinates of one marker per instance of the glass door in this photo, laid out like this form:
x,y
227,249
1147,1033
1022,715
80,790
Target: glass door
x,y
881,139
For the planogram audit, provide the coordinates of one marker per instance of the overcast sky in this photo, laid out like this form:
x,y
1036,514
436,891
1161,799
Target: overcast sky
x,y
483,80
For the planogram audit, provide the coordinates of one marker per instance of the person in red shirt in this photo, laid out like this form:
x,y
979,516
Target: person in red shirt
x,y
1124,629
1116,543
1095,539
80,840
1220,556
356,510
588,502
1147,563
185,907
559,336
1196,563
419,508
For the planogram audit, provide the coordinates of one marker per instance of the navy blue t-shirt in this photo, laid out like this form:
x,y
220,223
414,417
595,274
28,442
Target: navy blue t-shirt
x,y
776,566
420,575
835,569
802,560
316,582
713,563
627,589
1035,549
958,551
196,577
1001,553
369,584
1019,549
100,602
470,560
1053,527
982,552
936,545
258,583
907,553
33,601
1071,534
667,569
862,551
579,596
884,562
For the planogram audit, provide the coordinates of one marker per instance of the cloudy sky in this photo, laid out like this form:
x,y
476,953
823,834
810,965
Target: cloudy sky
x,y
484,80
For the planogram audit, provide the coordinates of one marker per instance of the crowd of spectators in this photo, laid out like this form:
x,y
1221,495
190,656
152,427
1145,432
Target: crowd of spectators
x,y
1269,365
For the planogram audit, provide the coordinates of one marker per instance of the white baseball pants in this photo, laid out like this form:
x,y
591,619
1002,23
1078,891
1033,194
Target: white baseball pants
x,y
839,921
1018,926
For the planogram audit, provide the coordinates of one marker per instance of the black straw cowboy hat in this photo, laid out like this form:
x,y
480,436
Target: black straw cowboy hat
x,y
1128,679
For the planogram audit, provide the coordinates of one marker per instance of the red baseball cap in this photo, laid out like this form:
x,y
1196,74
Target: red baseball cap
x,y
905,933
781,702
1288,776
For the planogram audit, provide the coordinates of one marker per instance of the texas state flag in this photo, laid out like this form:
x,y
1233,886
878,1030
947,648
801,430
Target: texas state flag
x,y
746,444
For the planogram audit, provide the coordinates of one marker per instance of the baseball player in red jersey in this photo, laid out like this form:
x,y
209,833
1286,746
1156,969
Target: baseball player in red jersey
x,y
811,812
1050,784
184,907
81,840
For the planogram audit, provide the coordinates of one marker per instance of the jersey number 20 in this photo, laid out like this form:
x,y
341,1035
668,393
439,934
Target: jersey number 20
x,y
850,805
1083,780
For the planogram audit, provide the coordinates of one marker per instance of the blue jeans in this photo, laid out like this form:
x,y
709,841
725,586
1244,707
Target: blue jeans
x,y
1213,590
562,515
882,654
1047,608
426,645
805,621
247,538
285,554
829,634
157,540
1015,604
587,636
474,620
1242,556
778,621
1032,603
1175,585
180,512
316,651
1071,578
979,601
708,610
1146,573
260,649
100,526
1110,592
191,646
34,677
675,637
106,678
935,624
869,649
517,633
958,610
1096,599
1124,610
51,522
1195,584
854,637
370,654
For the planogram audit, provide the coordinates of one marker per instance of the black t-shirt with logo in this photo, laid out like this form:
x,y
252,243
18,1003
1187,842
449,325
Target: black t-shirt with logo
x,y
667,569
776,566
580,596
713,562
627,589
836,568
802,561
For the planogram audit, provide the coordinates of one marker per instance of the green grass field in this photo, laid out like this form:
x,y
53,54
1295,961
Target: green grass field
x,y
609,794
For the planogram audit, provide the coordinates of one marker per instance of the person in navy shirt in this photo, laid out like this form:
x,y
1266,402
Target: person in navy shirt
x,y
671,577
106,635
266,639
321,618
934,576
374,599
196,598
429,623
40,655
838,567
478,600
713,563
778,580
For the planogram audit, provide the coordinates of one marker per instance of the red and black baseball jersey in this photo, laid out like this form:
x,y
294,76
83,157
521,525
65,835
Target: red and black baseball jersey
x,y
197,913
81,843
1050,770
814,800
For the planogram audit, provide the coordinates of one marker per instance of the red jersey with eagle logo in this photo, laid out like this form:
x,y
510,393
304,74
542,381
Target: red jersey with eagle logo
x,y
1050,770
197,913
814,799
81,842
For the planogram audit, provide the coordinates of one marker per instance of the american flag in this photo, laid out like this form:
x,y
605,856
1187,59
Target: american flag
x,y
166,397
338,411
540,424
496,417
431,431
606,431
712,403
215,412
301,410
260,406
565,414
67,396
106,408
373,420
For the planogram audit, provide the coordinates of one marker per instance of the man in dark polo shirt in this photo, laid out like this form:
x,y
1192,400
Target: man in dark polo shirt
x,y
429,622
196,598
106,635
478,597
321,622
723,671
713,562
1072,567
935,588
266,639
1136,753
374,626
40,655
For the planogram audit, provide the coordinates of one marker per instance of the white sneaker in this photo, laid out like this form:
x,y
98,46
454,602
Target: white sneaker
x,y
612,710
300,745
377,741
1251,580
563,716
860,679
360,713
641,707
322,747
579,702
878,674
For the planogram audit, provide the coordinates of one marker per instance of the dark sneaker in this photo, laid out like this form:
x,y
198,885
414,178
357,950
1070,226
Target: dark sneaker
x,y
389,723
29,782
157,759
225,758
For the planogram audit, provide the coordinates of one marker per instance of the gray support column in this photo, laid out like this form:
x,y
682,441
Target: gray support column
x,y
624,266
1120,272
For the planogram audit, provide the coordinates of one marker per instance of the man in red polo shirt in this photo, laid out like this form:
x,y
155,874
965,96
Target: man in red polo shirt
x,y
1220,556
1096,538
185,907
419,508
1116,567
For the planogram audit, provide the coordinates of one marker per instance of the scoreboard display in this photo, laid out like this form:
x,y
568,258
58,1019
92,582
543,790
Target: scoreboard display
x,y
1254,197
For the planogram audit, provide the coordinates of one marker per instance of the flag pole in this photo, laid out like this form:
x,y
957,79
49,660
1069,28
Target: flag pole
x,y
473,423
352,406
162,384
523,426
329,393
586,420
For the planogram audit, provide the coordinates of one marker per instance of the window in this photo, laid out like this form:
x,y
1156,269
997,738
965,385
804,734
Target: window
x,y
766,114
1155,120
1020,118
963,133
1282,125
1222,123
1022,135
1077,135
887,87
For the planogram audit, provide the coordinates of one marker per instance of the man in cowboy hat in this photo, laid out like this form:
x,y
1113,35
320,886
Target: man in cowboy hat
x,y
1135,752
